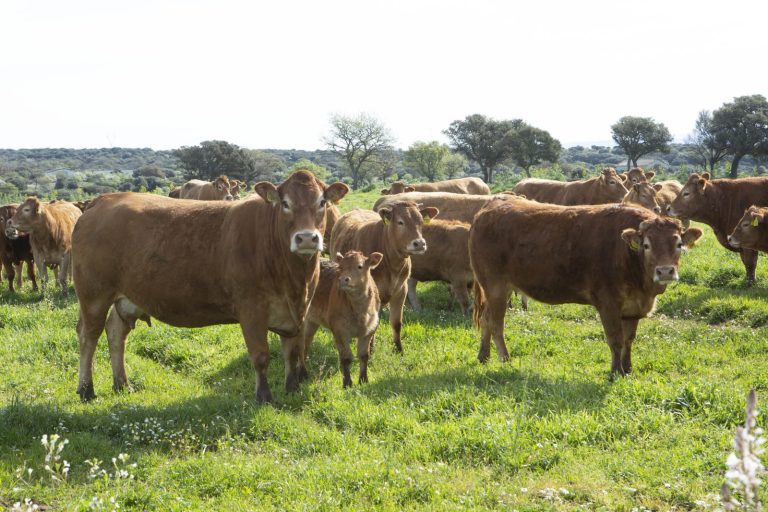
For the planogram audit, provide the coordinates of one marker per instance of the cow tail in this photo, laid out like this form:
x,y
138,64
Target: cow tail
x,y
479,303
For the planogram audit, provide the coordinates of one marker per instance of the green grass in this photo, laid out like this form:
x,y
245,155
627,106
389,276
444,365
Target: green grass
x,y
433,430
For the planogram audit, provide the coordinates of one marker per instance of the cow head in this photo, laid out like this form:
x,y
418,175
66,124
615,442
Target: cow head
x,y
637,175
691,202
750,229
25,219
402,223
644,195
397,187
222,185
355,270
660,242
6,212
301,202
610,188
235,187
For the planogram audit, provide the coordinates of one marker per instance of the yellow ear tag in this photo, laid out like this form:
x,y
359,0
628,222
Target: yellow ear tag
x,y
427,220
385,221
634,245
272,196
755,222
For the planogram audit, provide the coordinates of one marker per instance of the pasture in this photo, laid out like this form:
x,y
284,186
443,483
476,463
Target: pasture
x,y
433,430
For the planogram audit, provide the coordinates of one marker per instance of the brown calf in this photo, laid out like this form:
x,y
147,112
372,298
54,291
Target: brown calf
x,y
395,231
617,259
607,188
751,232
644,195
456,186
14,252
347,303
217,190
199,263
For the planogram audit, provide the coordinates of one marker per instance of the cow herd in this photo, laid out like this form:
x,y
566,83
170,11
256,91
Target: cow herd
x,y
200,257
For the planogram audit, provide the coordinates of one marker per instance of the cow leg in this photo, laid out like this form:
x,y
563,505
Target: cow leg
x,y
364,344
524,301
293,350
396,304
9,272
492,324
42,271
17,270
255,334
310,328
89,328
31,274
345,358
64,272
614,333
413,299
459,289
749,258
117,331
630,330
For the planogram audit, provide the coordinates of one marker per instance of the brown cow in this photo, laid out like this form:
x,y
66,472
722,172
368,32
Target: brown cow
x,y
750,232
395,231
175,193
461,207
50,228
235,187
201,190
720,204
347,303
642,194
14,252
607,188
199,263
457,186
636,175
616,258
447,260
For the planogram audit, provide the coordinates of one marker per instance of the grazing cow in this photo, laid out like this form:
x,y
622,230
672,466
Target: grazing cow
x,y
457,186
199,263
395,231
720,204
636,175
50,228
750,232
235,187
175,193
607,188
201,190
15,251
447,260
642,194
617,259
461,207
347,303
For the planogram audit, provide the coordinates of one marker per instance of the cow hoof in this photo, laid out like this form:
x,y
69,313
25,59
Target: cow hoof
x,y
263,395
483,356
86,392
303,374
347,383
363,379
122,387
291,383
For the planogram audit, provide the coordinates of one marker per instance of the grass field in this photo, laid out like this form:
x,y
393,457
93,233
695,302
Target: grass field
x,y
433,430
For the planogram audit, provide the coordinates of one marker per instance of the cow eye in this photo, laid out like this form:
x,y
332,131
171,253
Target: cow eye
x,y
679,245
646,246
285,205
360,267
323,202
686,194
401,223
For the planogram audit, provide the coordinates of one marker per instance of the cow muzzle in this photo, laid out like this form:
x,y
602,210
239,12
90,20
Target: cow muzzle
x,y
733,242
10,231
671,212
307,242
665,275
229,198
657,209
417,246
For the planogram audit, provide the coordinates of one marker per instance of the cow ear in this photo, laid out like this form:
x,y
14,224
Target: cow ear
x,y
756,219
429,213
385,191
649,175
335,192
706,176
624,177
409,189
690,236
702,183
386,214
657,187
632,238
338,257
374,259
267,191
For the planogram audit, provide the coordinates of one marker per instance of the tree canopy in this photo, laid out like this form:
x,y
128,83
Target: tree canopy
x,y
743,127
358,141
213,158
427,159
528,146
638,136
709,144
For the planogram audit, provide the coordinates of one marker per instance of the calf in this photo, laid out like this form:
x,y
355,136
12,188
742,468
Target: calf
x,y
617,259
606,188
751,232
201,190
395,231
456,186
347,303
447,260
50,227
644,195
15,251
720,204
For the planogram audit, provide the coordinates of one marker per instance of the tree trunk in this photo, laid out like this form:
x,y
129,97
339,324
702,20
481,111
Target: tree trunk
x,y
487,174
735,165
527,171
629,162
634,161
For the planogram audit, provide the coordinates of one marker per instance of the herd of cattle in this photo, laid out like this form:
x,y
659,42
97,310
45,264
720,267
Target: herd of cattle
x,y
200,257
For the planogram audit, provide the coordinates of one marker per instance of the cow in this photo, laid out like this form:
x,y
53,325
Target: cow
x,y
395,231
606,188
447,260
235,187
347,303
720,203
750,232
50,227
200,263
175,193
642,194
457,186
462,207
636,175
14,252
613,257
201,190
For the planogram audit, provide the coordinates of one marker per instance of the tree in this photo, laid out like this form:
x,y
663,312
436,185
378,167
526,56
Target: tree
x,y
743,125
528,146
358,141
213,158
638,136
427,159
708,144
318,170
266,167
455,165
480,139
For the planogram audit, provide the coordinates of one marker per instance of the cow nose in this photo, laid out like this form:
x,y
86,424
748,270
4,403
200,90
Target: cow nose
x,y
307,242
669,210
419,245
657,209
229,198
666,273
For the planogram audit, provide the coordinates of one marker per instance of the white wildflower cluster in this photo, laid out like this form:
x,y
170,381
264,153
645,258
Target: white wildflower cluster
x,y
122,470
57,468
739,492
98,504
27,506
552,494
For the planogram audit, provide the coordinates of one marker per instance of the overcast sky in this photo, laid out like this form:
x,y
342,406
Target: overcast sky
x,y
268,74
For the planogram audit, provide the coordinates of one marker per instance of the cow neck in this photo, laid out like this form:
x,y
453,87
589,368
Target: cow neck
x,y
47,231
360,300
638,275
392,255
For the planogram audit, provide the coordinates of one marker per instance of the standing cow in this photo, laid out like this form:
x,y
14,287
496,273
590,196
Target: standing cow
x,y
15,251
395,231
604,189
199,263
217,190
617,259
720,204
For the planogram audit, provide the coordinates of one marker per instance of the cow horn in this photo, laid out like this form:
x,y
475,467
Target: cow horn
x,y
645,225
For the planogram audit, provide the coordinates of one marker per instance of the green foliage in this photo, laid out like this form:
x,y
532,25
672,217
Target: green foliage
x,y
709,144
361,142
318,170
742,125
266,167
212,158
455,165
528,146
638,136
427,159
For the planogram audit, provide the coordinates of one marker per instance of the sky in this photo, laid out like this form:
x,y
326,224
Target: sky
x,y
269,74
